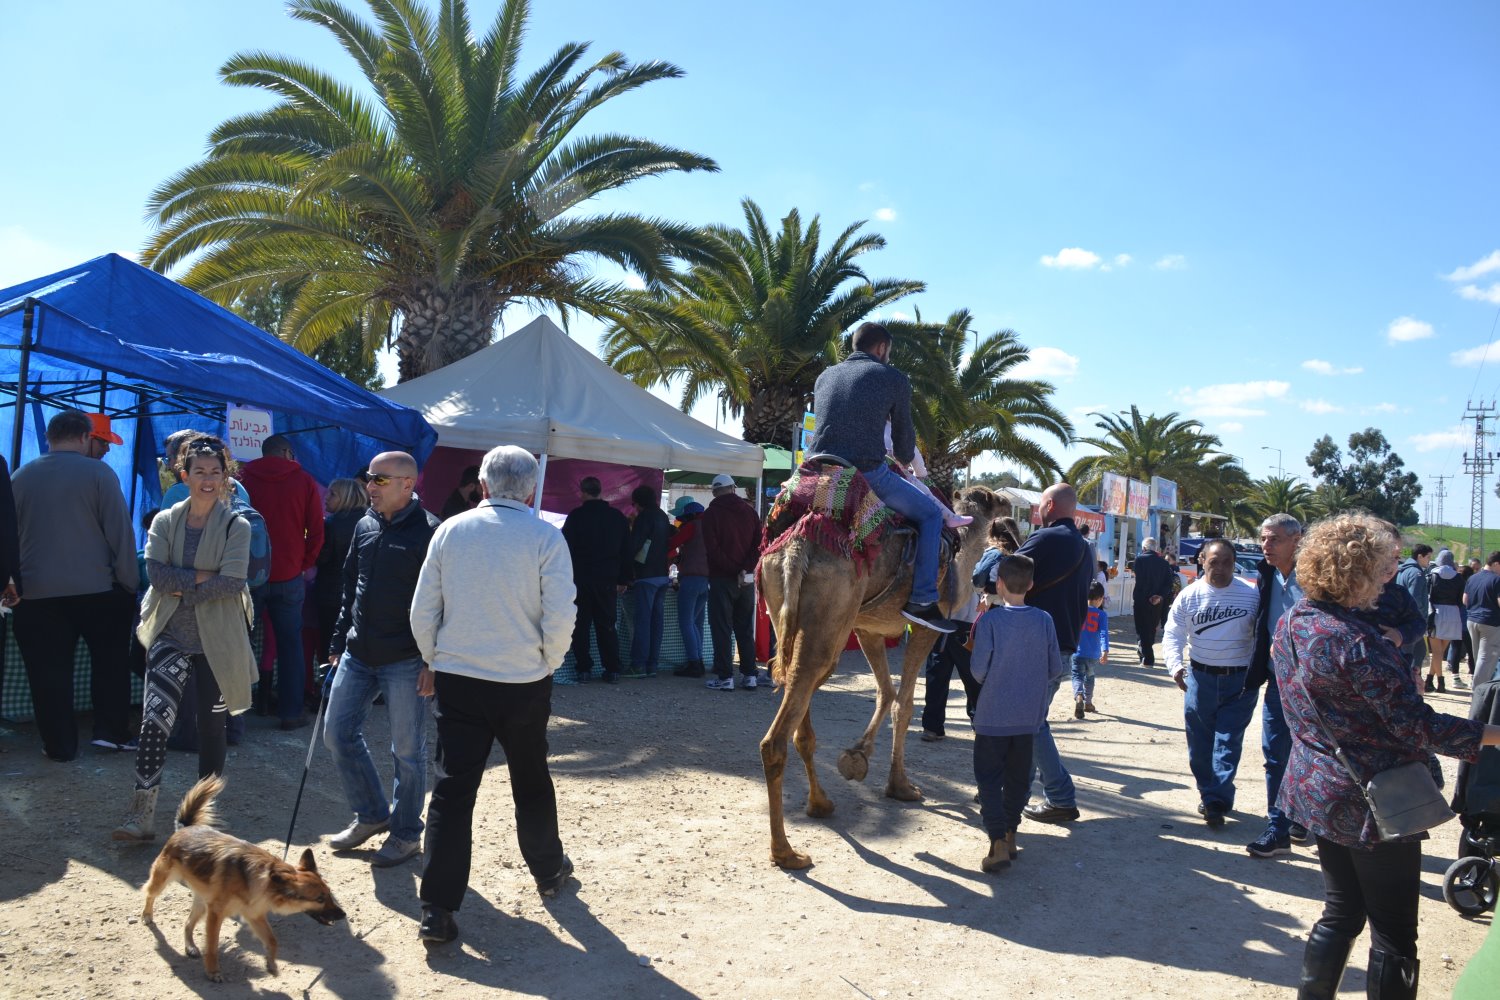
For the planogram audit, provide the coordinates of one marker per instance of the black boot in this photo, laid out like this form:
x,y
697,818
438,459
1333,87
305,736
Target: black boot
x,y
1323,962
1391,977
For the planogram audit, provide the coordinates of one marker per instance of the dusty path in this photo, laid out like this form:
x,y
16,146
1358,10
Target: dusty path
x,y
663,809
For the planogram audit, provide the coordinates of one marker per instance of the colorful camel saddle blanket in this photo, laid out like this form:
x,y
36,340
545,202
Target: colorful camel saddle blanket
x,y
833,507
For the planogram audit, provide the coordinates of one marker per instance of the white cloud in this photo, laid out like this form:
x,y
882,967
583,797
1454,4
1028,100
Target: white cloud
x,y
901,317
1231,427
1453,437
1478,269
1171,262
1381,408
1482,355
1320,406
1326,368
1123,259
1071,258
867,185
1476,294
1407,328
1231,399
1047,362
885,214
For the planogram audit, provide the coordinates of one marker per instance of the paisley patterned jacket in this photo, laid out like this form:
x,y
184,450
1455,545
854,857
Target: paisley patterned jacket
x,y
1325,655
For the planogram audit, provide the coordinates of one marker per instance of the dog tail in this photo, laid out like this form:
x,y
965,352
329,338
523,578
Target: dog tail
x,y
197,807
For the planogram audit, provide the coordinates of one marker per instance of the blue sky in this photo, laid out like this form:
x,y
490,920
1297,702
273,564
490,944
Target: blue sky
x,y
1277,218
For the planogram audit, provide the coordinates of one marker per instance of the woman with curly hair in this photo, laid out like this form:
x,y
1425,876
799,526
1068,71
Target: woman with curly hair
x,y
194,623
1344,686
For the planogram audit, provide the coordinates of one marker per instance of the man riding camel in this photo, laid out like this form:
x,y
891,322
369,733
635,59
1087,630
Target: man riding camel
x,y
853,400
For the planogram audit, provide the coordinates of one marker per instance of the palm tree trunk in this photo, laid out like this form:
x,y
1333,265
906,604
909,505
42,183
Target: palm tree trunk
x,y
440,326
773,414
943,470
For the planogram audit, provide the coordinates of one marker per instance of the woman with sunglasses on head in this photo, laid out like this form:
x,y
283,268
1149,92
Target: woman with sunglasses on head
x,y
194,623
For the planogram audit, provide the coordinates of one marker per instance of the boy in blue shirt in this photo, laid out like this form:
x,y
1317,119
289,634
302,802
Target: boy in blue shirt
x,y
1093,649
1017,663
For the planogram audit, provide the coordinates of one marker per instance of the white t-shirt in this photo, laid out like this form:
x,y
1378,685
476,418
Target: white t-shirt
x,y
1213,625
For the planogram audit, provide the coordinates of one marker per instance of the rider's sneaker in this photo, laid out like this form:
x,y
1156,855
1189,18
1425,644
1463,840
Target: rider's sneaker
x,y
928,616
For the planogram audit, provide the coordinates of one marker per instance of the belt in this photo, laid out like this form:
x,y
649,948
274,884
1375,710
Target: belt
x,y
1216,671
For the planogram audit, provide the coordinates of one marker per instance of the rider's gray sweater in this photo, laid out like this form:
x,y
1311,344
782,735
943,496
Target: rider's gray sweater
x,y
853,399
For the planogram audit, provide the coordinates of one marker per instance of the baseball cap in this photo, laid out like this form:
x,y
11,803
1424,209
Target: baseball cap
x,y
722,479
100,425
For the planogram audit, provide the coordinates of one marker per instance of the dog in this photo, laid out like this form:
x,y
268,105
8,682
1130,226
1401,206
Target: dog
x,y
232,878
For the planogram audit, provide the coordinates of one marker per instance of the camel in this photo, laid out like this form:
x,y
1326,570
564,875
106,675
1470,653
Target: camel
x,y
816,598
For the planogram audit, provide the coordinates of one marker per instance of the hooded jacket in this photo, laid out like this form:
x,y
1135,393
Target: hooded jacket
x,y
731,535
1413,577
288,500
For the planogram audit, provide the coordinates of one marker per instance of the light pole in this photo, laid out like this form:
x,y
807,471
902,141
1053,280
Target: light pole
x,y
1279,473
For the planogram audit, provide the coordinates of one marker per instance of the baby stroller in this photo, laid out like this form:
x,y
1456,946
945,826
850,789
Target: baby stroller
x,y
1472,883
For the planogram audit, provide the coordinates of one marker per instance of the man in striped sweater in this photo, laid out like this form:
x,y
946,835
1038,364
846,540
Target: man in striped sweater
x,y
1210,639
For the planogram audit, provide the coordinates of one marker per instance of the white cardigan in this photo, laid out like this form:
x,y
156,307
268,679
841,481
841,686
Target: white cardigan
x,y
495,596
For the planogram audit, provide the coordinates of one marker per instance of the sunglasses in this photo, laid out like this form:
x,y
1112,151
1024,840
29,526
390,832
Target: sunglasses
x,y
379,480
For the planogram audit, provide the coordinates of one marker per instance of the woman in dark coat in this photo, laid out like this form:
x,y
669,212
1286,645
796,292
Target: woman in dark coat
x,y
648,547
1342,683
346,503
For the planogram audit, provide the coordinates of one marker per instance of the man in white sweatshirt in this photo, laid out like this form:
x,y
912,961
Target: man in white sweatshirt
x,y
492,615
1209,642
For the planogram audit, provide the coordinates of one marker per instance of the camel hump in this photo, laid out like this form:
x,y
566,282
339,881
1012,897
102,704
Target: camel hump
x,y
832,506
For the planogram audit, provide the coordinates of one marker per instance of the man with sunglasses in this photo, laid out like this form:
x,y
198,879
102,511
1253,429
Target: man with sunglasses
x,y
377,655
289,502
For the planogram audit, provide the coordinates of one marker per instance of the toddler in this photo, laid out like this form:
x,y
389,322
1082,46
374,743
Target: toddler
x,y
1093,649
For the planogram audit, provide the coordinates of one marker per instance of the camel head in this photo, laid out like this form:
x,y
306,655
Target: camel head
x,y
983,505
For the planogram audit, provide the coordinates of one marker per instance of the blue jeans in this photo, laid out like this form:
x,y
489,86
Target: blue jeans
x,y
650,597
355,686
1057,783
925,514
284,606
1276,747
1216,710
692,605
1083,676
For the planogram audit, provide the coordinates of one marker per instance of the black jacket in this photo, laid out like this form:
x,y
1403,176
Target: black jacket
x,y
338,535
1153,578
1477,791
1260,663
853,399
1060,585
380,576
651,525
598,538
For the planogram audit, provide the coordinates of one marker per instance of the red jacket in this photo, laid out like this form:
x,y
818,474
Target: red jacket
x,y
287,497
731,534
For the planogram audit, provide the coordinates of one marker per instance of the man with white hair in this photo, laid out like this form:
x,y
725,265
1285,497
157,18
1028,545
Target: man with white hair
x,y
1153,592
492,615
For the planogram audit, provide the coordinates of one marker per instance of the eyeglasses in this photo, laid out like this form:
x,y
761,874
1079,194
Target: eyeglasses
x,y
376,479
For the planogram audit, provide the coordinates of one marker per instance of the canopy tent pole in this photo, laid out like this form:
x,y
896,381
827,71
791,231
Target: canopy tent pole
x,y
541,480
755,587
27,319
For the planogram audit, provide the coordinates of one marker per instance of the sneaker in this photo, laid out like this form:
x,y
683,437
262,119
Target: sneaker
x,y
748,682
958,521
438,926
1048,813
928,736
633,673
1268,845
357,833
691,669
720,684
580,677
928,616
1297,833
1078,706
548,887
1458,681
395,851
107,744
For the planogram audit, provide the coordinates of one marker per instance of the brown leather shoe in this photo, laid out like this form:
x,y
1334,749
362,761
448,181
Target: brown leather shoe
x,y
999,857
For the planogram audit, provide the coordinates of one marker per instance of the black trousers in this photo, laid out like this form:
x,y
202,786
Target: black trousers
x,y
1002,769
1147,619
471,715
731,612
596,602
47,632
949,655
1381,885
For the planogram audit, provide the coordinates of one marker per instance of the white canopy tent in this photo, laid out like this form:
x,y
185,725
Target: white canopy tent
x,y
540,390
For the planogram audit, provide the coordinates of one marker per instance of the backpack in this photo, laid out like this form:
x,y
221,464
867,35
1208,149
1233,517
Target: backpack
x,y
259,569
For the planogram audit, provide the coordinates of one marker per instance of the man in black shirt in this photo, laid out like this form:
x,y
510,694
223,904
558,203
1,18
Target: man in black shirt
x,y
1153,592
598,538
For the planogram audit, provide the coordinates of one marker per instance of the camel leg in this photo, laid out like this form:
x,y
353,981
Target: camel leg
x,y
819,805
796,696
897,786
854,762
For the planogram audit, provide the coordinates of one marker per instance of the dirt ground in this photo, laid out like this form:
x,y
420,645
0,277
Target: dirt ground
x,y
662,807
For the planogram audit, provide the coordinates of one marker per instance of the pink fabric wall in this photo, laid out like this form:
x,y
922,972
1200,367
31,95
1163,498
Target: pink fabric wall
x,y
560,491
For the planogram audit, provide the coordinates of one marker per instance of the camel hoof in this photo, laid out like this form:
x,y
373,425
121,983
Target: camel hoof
x,y
853,765
904,793
820,808
791,861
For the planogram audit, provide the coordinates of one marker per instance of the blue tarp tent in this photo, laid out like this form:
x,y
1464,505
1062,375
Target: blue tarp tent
x,y
112,336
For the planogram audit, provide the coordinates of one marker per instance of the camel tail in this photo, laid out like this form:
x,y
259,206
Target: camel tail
x,y
793,568
197,807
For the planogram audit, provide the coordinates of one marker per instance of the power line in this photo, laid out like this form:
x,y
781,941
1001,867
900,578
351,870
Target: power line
x,y
1440,496
1478,467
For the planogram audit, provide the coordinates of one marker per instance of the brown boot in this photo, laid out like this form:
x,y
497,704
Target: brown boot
x,y
1010,845
999,857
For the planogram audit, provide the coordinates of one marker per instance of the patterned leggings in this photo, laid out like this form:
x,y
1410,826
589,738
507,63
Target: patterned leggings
x,y
167,673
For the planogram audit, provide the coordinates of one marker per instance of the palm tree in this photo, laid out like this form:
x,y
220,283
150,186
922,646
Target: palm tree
x,y
421,214
1168,446
755,324
963,408
1278,495
1328,500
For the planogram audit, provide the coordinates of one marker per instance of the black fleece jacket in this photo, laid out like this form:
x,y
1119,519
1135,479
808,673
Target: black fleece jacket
x,y
380,577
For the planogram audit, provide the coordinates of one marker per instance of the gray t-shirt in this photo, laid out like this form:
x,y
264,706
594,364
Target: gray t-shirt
x,y
182,628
